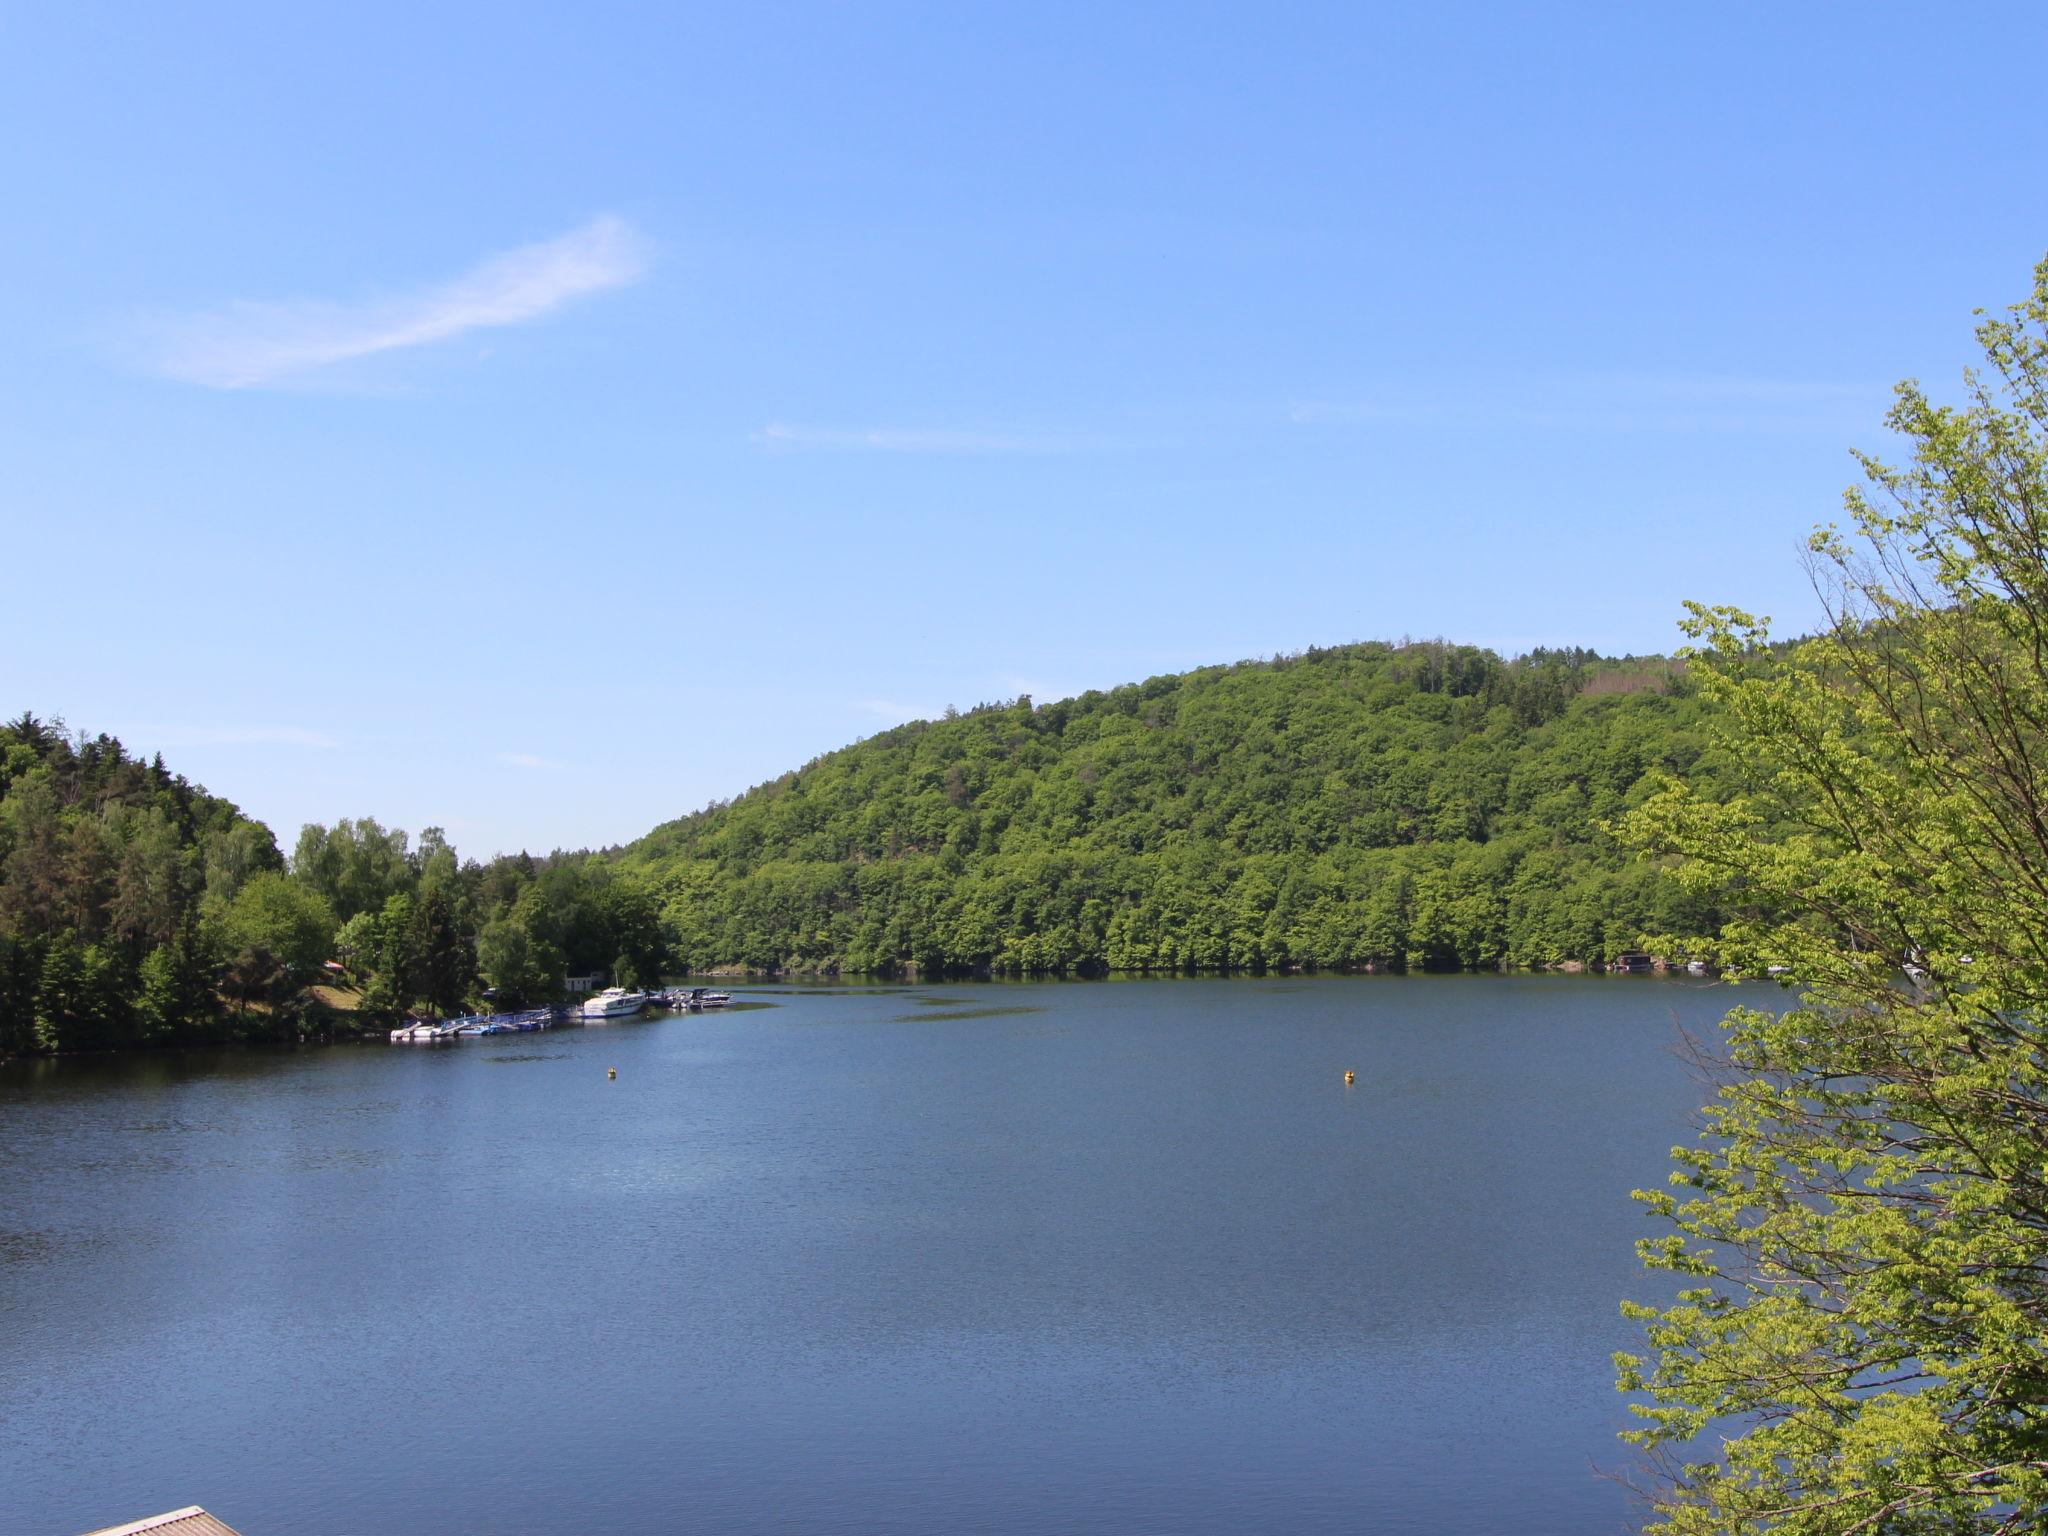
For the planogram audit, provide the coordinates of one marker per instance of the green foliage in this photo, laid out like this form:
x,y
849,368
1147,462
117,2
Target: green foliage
x,y
176,991
21,969
519,968
80,997
1389,805
518,924
1863,1228
391,975
355,866
107,867
277,915
595,917
136,909
444,952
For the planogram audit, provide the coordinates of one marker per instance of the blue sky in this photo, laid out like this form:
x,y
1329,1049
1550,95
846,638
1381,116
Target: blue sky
x,y
540,421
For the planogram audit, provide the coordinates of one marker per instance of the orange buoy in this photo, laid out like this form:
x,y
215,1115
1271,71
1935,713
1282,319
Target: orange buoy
x,y
1350,1078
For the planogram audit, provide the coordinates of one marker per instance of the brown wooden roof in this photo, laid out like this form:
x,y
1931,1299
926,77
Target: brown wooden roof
x,y
192,1521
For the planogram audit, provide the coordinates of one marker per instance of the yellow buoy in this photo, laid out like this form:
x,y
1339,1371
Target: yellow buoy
x,y
1350,1078
611,1074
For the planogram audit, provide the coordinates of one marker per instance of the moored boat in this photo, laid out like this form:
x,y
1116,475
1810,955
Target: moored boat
x,y
428,1033
421,1032
613,1003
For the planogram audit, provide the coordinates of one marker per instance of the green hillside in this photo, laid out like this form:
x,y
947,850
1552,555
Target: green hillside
x,y
1414,805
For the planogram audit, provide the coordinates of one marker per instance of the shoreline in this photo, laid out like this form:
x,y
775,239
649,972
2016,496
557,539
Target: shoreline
x,y
377,1034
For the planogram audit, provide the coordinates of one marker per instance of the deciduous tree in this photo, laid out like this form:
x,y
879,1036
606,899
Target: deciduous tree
x,y
1862,1341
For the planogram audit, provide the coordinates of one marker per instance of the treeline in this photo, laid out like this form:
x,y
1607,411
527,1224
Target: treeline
x,y
137,909
416,926
1387,805
1418,806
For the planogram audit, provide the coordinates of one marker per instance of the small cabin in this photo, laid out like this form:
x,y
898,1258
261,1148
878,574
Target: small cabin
x,y
594,982
1632,961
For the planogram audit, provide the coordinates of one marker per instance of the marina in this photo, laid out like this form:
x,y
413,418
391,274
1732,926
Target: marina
x,y
611,1003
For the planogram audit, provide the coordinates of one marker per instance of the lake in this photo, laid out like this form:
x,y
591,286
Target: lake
x,y
1111,1257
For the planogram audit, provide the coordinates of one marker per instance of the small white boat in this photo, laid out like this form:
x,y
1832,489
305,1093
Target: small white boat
x,y
614,1003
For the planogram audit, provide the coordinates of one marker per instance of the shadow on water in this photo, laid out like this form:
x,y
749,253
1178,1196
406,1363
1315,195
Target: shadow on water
x,y
23,1247
940,1016
797,989
47,1075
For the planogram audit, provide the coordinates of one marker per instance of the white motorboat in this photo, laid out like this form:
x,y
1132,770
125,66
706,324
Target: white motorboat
x,y
614,1003
423,1034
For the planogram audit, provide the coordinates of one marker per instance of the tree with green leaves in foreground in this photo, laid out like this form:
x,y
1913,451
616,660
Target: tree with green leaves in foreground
x,y
1862,1231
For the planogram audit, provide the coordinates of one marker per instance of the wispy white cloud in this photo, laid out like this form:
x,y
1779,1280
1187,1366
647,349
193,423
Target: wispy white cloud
x,y
1618,403
528,760
250,344
786,435
244,736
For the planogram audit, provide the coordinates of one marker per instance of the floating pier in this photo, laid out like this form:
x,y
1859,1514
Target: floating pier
x,y
433,1032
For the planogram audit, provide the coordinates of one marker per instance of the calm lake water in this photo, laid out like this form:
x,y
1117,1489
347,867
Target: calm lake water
x,y
1113,1258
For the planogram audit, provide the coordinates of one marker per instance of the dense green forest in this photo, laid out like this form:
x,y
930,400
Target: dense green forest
x,y
1411,805
137,909
1401,806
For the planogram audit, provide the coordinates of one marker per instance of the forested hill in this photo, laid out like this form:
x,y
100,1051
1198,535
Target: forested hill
x,y
1419,805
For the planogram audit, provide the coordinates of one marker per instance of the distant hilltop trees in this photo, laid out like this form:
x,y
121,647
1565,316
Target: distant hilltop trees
x,y
1401,805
